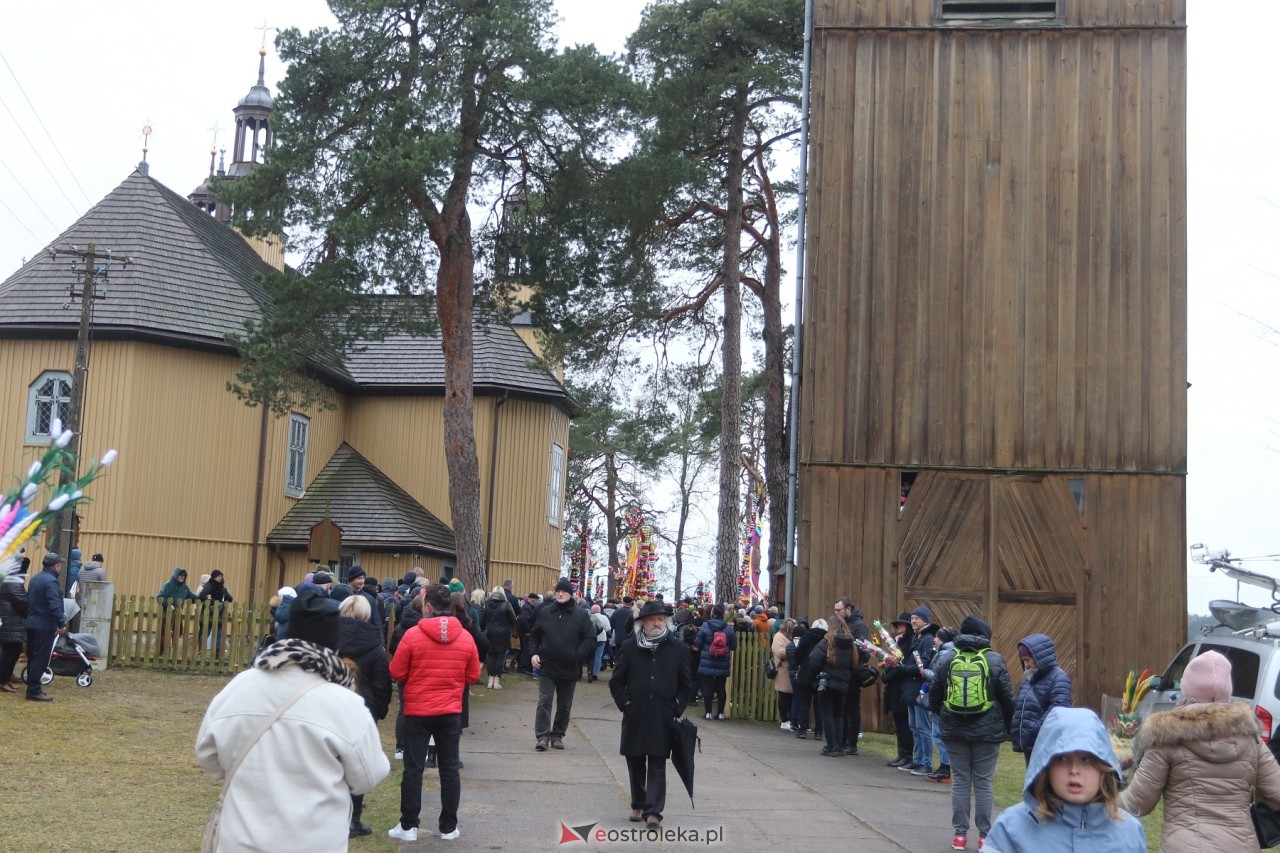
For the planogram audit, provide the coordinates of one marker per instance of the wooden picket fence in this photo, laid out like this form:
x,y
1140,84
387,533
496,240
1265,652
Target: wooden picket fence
x,y
185,637
751,695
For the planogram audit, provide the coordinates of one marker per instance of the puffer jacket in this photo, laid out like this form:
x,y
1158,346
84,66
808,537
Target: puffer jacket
x,y
13,610
1205,760
840,672
1072,826
707,665
362,642
436,661
907,675
804,647
993,725
1044,688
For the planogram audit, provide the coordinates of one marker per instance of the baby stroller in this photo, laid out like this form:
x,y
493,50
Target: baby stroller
x,y
72,657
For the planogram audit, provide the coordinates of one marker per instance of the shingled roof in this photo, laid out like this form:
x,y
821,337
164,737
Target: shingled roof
x,y
371,510
193,280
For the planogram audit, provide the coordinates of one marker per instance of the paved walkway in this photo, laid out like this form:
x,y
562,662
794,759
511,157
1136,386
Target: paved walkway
x,y
758,787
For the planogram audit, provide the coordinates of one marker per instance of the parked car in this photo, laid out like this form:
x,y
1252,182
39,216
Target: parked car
x,y
1255,673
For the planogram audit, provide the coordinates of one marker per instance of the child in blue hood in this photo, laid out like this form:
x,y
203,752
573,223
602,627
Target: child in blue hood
x,y
1071,800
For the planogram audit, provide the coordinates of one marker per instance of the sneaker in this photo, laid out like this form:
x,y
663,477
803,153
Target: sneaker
x,y
909,767
399,833
719,716
399,755
706,716
358,829
786,727
542,744
899,761
982,840
850,749
960,841
801,734
450,836
557,743
942,774
832,751
922,770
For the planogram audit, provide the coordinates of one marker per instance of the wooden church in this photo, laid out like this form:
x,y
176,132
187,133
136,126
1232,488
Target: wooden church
x,y
993,407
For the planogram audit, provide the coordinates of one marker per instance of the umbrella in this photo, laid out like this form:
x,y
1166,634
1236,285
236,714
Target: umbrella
x,y
684,739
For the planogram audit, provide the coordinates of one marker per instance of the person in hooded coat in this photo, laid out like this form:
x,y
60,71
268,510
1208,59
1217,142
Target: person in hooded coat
x,y
651,685
1045,686
973,740
1070,799
213,594
13,619
497,620
360,641
712,670
1206,759
804,678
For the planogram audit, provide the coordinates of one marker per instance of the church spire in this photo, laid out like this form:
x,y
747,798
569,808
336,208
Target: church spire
x,y
253,123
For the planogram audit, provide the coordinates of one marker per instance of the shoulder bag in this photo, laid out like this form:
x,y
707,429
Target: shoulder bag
x,y
209,844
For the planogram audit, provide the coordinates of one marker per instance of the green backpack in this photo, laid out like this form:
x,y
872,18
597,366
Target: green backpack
x,y
967,684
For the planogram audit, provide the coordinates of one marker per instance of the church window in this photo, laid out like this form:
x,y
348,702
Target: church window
x,y
557,485
296,475
48,399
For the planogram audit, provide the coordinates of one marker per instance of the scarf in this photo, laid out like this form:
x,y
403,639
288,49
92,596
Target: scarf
x,y
652,643
309,656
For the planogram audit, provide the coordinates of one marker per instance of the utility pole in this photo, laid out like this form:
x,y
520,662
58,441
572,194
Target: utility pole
x,y
63,529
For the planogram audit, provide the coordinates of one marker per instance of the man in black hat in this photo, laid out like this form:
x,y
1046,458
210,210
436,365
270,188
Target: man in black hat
x,y
561,639
45,620
651,685
895,702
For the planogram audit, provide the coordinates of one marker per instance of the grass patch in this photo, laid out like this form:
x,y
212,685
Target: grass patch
x,y
112,767
1011,771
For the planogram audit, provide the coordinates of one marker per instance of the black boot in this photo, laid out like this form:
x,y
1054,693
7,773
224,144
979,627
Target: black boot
x,y
431,757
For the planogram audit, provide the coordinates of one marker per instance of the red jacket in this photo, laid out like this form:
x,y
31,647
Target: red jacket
x,y
436,659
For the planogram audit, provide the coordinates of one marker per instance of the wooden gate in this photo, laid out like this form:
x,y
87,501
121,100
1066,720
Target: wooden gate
x,y
1010,549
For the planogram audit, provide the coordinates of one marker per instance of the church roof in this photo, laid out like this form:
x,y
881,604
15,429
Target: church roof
x,y
193,280
371,510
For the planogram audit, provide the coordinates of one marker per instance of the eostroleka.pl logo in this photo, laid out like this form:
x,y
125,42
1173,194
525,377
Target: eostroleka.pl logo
x,y
593,833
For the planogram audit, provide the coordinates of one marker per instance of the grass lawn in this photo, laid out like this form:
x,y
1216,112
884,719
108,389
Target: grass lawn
x,y
1010,775
112,767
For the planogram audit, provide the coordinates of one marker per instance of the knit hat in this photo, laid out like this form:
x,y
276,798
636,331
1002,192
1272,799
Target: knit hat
x,y
51,559
563,585
314,618
455,585
923,613
1206,679
975,626
321,578
820,624
946,635
354,572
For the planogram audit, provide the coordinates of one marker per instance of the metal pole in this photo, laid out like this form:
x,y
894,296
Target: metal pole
x,y
793,463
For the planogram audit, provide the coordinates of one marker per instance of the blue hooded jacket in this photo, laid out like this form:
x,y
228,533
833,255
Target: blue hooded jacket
x,y
1073,827
1044,688
707,665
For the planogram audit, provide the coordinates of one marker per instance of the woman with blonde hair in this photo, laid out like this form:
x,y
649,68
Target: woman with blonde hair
x,y
360,643
498,621
831,664
782,678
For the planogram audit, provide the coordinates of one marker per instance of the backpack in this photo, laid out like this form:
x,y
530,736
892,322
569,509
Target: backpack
x,y
719,647
967,684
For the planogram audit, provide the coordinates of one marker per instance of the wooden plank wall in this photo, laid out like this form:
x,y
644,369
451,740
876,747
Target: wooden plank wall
x,y
919,13
998,250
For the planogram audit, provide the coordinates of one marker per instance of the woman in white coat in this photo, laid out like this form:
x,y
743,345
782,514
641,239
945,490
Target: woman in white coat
x,y
293,789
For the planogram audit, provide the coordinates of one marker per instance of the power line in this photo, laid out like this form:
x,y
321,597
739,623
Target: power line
x,y
23,131
47,134
20,221
18,181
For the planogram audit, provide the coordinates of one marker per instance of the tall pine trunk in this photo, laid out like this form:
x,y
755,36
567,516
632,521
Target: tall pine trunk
x,y
731,361
775,422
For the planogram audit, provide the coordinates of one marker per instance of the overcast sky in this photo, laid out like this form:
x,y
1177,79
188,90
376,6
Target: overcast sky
x,y
79,80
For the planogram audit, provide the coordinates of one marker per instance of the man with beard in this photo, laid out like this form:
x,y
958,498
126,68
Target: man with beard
x,y
857,623
651,685
561,639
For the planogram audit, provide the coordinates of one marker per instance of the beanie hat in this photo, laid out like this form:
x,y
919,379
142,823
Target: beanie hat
x,y
1206,679
77,554
321,578
945,635
51,559
820,624
974,625
455,585
563,585
314,618
923,613
354,572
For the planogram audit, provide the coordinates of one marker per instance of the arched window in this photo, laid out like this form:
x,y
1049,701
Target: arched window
x,y
48,399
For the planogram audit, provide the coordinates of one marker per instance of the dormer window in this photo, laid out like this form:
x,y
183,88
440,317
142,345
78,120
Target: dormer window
x,y
998,10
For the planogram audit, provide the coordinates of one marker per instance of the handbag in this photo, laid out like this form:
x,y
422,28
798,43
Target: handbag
x,y
209,842
1266,824
770,668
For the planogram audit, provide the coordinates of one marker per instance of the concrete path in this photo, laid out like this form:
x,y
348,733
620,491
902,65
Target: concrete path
x,y
757,788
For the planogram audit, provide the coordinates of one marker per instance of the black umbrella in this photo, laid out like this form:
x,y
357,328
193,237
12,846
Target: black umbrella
x,y
684,740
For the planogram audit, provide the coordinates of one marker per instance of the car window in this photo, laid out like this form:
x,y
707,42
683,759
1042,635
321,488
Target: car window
x,y
1244,668
1172,679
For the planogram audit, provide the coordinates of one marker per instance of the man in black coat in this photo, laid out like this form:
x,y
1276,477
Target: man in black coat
x,y
651,685
857,623
45,620
524,624
623,621
561,639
